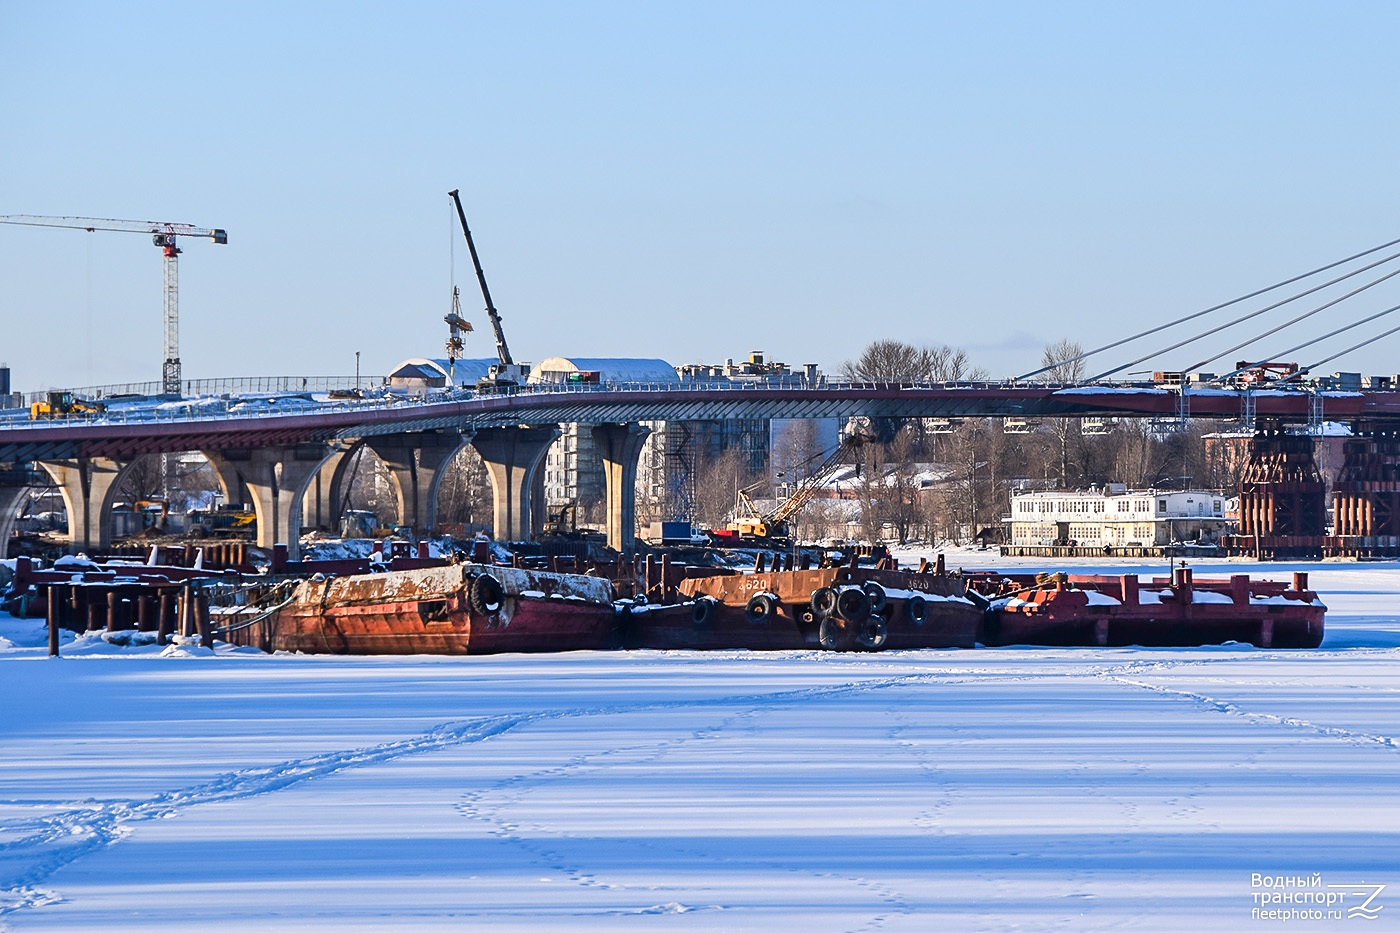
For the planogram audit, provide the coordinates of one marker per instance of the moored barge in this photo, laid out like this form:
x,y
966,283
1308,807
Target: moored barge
x,y
457,609
836,608
1180,611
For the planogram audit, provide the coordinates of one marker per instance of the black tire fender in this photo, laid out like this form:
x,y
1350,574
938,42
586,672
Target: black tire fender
x,y
761,608
876,592
917,609
823,602
627,627
832,634
702,611
486,595
874,634
853,604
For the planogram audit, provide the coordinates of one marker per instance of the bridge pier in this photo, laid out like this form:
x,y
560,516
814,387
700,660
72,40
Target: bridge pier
x,y
276,479
1283,508
621,448
325,495
88,485
512,457
416,462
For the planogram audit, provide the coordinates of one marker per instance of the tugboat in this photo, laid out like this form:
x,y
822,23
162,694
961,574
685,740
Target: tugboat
x,y
458,609
1180,611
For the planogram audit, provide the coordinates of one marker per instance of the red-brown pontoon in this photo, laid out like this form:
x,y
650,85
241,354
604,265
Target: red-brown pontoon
x,y
1074,609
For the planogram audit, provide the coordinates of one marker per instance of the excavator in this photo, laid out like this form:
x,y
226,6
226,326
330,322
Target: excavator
x,y
561,521
503,377
64,404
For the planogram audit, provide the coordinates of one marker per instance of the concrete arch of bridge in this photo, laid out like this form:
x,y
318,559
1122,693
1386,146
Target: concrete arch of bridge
x,y
277,479
89,486
12,498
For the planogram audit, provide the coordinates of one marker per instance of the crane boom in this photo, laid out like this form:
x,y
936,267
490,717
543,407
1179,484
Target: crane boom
x,y
502,350
163,235
91,224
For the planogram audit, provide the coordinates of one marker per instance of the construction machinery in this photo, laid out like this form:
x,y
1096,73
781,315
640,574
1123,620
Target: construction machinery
x,y
503,376
457,326
224,521
562,520
163,235
64,404
755,527
154,512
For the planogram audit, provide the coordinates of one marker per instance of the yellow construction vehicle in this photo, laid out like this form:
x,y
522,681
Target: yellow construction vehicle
x,y
63,404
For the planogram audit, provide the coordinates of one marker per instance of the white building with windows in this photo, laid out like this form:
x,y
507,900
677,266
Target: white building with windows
x,y
1115,516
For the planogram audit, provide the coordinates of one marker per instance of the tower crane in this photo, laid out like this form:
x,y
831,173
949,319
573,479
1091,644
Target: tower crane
x,y
163,235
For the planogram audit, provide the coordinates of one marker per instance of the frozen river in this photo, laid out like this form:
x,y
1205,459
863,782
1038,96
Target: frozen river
x,y
1018,788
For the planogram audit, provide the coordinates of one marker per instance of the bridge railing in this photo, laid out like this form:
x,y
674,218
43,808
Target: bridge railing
x,y
231,385
286,396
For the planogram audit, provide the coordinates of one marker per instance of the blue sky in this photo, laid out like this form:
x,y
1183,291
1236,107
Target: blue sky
x,y
684,181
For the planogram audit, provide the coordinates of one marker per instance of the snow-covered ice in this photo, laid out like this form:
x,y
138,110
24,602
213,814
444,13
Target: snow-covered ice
x,y
1019,788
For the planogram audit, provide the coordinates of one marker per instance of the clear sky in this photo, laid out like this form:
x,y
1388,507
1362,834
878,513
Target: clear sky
x,y
685,181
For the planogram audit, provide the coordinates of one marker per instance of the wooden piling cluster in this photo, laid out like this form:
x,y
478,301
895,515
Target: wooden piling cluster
x,y
166,609
218,554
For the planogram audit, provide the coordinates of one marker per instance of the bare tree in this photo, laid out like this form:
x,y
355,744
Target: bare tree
x,y
1062,359
797,450
897,361
718,482
144,479
464,494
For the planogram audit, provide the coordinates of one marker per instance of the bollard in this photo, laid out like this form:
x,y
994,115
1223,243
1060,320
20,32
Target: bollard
x,y
55,616
201,619
186,622
113,608
165,621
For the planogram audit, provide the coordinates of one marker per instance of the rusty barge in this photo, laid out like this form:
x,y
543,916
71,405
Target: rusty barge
x,y
455,609
839,608
1178,611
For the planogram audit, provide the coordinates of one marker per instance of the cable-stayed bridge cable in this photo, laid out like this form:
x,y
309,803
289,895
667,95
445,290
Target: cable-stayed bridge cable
x,y
1232,301
1328,359
1290,323
1240,320
1280,357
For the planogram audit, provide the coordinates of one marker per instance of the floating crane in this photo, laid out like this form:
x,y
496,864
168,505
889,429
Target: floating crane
x,y
163,235
502,375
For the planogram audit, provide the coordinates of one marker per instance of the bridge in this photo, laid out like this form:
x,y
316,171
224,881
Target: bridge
x,y
291,462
